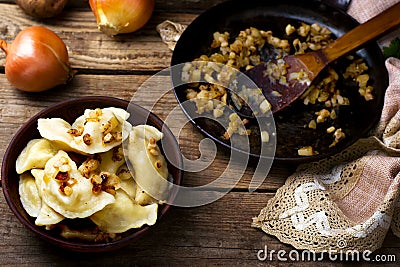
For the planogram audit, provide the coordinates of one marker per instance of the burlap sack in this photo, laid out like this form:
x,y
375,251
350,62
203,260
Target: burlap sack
x,y
363,10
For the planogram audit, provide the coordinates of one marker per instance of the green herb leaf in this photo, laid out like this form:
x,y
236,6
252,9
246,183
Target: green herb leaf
x,y
393,50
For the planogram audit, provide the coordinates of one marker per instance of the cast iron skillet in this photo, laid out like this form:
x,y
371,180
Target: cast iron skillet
x,y
235,15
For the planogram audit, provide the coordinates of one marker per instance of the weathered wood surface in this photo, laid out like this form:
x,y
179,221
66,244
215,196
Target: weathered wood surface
x,y
215,234
89,50
218,234
186,5
141,51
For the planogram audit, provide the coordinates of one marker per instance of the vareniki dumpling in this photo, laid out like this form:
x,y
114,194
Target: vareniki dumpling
x,y
149,165
31,199
128,183
66,191
124,214
111,160
95,131
35,155
29,194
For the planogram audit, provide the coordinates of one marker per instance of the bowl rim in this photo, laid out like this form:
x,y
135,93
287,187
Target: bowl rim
x,y
70,244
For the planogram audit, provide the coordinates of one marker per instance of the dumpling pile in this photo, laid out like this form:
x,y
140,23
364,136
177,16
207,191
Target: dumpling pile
x,y
80,171
94,132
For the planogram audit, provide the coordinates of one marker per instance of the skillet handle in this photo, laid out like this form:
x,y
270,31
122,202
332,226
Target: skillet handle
x,y
340,4
363,33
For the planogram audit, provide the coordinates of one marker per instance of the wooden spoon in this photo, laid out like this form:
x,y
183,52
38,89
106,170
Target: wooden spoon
x,y
312,63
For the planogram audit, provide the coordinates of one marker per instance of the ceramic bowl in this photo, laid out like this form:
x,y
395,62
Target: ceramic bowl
x,y
70,110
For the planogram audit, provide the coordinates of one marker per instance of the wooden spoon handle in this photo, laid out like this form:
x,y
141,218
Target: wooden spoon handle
x,y
370,30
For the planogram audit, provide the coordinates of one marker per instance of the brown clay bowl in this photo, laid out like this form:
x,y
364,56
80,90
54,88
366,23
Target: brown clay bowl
x,y
70,110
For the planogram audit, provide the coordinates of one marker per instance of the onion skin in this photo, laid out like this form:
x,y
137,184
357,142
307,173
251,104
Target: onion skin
x,y
121,16
37,60
42,8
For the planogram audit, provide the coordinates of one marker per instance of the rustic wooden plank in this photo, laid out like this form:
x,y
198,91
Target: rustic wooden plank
x,y
16,107
184,5
215,234
89,48
183,238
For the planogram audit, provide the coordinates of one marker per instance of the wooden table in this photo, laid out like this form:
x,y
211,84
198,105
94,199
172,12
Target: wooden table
x,y
214,234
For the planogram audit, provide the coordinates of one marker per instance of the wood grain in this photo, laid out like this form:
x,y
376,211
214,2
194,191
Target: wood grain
x,y
89,48
215,234
182,238
184,5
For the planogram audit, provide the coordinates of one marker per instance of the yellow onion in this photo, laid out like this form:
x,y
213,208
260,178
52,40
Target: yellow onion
x,y
121,16
36,60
